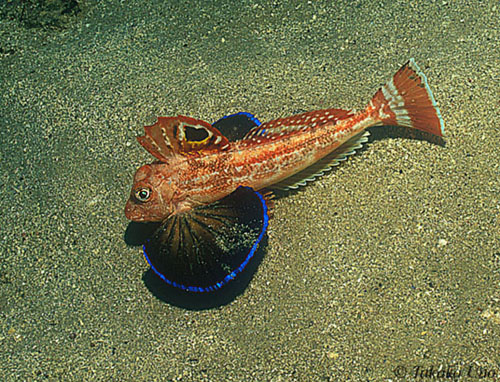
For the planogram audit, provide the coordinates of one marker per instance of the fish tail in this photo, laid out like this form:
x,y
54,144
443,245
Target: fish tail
x,y
406,100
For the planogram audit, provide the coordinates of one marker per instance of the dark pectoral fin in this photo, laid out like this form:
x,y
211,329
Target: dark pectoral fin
x,y
204,249
236,126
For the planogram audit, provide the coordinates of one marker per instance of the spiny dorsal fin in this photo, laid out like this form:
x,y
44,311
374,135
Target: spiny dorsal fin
x,y
296,123
181,135
320,167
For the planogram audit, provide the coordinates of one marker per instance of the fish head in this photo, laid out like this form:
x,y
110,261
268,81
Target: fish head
x,y
152,195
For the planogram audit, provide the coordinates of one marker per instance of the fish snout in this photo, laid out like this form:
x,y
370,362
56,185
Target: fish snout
x,y
132,212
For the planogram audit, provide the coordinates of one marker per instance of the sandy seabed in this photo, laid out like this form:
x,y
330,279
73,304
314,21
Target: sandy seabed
x,y
388,268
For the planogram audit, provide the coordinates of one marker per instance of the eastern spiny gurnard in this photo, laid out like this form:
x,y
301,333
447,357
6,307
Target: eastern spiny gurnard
x,y
205,189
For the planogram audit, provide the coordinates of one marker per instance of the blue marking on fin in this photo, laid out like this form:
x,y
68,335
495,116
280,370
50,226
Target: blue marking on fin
x,y
234,273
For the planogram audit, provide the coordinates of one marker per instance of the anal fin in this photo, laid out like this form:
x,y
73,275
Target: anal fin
x,y
326,164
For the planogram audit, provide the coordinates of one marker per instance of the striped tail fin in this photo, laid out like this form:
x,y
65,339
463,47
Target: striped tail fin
x,y
406,100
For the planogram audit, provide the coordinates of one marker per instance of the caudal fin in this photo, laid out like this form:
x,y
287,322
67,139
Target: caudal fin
x,y
406,100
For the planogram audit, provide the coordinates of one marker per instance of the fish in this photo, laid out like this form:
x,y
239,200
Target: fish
x,y
211,193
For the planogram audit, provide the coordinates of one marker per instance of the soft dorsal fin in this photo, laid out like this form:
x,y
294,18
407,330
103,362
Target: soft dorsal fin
x,y
181,135
318,169
299,122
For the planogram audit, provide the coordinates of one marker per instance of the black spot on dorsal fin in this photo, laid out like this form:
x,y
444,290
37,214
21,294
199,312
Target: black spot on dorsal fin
x,y
196,135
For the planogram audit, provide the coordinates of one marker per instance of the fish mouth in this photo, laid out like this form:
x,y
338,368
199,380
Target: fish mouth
x,y
136,214
131,212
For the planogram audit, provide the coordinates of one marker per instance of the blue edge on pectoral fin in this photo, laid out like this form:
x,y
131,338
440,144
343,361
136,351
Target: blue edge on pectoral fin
x,y
206,248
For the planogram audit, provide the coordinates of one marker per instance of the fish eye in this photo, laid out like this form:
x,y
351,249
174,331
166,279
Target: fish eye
x,y
143,194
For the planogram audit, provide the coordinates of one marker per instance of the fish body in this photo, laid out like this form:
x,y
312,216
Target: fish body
x,y
263,158
190,172
197,166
